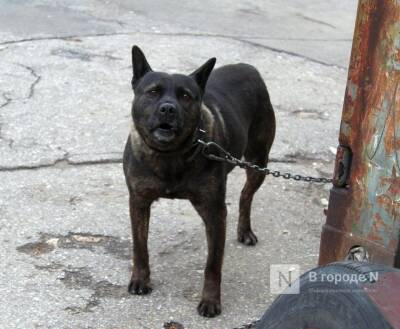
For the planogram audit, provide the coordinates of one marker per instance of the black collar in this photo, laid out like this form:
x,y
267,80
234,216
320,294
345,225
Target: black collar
x,y
196,146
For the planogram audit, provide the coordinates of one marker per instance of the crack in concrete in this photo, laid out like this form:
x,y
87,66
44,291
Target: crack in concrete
x,y
241,39
32,87
183,34
288,52
317,21
36,76
9,141
251,43
301,157
7,99
110,20
81,55
64,162
298,39
60,163
2,138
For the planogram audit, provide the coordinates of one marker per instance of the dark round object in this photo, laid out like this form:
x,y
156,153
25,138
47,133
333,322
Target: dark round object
x,y
335,296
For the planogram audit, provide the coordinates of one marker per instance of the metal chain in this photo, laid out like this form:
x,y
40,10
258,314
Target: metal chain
x,y
229,158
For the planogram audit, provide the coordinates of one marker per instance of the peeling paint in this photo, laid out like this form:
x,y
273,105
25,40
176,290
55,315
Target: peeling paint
x,y
393,47
352,90
367,211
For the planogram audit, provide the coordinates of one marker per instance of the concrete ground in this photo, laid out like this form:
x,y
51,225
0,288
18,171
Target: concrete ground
x,y
64,117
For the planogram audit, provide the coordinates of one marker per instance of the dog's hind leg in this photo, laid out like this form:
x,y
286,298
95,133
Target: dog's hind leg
x,y
245,234
261,136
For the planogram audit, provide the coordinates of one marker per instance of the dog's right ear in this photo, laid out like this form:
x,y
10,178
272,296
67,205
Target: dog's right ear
x,y
203,72
140,65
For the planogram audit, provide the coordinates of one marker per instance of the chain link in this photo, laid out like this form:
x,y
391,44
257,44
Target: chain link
x,y
229,158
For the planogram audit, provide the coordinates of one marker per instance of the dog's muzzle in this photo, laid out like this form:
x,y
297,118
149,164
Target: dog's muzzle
x,y
166,129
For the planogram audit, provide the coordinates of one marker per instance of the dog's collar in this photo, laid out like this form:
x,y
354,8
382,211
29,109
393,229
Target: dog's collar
x,y
196,146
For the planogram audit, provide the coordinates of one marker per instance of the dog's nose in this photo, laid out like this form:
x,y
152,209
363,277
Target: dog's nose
x,y
168,109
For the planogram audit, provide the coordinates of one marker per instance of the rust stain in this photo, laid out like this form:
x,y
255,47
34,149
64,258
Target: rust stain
x,y
371,129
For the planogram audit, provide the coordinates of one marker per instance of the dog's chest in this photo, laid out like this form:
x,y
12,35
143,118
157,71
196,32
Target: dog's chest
x,y
166,185
174,186
166,189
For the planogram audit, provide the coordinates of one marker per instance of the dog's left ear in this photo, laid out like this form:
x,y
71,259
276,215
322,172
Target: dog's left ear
x,y
203,72
139,64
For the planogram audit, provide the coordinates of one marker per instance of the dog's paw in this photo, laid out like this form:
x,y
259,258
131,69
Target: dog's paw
x,y
139,287
209,308
248,238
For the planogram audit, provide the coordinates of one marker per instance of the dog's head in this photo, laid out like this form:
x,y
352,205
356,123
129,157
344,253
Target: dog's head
x,y
166,108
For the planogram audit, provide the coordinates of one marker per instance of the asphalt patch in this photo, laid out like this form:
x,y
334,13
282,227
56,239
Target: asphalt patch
x,y
80,278
112,245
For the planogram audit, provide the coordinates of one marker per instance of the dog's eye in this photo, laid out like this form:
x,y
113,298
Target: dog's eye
x,y
186,96
153,92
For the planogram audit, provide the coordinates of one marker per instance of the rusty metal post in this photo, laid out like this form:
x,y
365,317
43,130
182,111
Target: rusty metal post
x,y
364,205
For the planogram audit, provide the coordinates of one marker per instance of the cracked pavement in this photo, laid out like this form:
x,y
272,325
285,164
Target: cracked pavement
x,y
64,117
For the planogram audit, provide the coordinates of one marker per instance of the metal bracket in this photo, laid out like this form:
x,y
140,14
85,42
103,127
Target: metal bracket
x,y
358,254
342,166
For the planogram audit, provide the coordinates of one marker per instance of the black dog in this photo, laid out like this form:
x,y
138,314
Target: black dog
x,y
170,113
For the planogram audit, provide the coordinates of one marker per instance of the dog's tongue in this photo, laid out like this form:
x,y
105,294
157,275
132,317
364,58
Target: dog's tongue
x,y
164,135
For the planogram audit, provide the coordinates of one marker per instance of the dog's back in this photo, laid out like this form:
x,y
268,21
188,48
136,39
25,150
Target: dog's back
x,y
238,97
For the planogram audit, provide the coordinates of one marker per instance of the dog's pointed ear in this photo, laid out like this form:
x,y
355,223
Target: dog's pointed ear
x,y
140,65
203,72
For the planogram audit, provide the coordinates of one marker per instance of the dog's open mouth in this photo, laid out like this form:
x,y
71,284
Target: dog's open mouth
x,y
165,126
164,133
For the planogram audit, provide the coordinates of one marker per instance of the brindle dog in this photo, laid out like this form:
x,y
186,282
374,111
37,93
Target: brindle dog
x,y
230,106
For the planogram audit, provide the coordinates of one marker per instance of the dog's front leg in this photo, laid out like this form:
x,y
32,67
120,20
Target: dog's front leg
x,y
140,215
212,210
